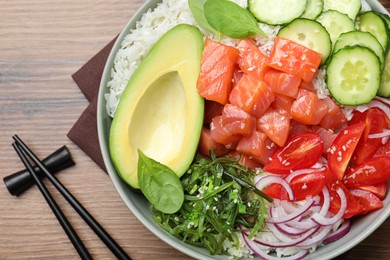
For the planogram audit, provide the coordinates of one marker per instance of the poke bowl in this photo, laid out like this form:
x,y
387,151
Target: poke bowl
x,y
123,62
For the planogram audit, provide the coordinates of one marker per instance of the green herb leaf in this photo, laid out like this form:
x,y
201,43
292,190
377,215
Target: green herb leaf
x,y
160,185
196,7
231,19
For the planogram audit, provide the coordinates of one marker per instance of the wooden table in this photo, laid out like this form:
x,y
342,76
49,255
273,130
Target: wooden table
x,y
42,43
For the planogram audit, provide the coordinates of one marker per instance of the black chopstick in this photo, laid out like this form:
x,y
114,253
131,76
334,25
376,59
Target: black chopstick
x,y
86,216
74,238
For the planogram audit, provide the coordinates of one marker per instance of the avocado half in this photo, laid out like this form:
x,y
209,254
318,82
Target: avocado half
x,y
160,111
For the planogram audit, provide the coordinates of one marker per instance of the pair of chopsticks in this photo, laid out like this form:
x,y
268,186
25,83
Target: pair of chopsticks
x,y
24,151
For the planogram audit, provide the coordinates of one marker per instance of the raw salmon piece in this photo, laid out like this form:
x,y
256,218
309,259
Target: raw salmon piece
x,y
216,72
236,121
252,95
257,146
276,125
334,117
308,109
252,61
220,135
294,58
282,83
206,143
282,102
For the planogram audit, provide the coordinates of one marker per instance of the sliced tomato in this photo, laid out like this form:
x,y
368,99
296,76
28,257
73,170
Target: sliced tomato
x,y
206,143
334,116
340,153
211,110
301,151
367,199
302,186
371,172
220,135
236,121
376,122
282,83
216,71
275,191
308,109
275,124
252,95
378,190
252,61
354,207
255,146
294,58
282,102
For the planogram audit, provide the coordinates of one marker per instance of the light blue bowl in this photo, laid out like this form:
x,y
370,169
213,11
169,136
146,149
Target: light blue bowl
x,y
138,205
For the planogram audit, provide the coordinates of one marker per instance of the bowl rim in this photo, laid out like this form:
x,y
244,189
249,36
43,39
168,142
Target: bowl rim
x,y
103,122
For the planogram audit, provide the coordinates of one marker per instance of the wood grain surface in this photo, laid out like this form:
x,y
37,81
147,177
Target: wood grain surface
x,y
42,42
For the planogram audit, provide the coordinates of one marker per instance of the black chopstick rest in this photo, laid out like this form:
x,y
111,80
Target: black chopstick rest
x,y
20,181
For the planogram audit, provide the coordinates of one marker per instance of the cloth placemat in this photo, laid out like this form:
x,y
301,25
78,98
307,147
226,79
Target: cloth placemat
x,y
84,131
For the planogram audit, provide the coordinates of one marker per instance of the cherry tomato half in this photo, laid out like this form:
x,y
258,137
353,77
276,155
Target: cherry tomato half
x,y
301,151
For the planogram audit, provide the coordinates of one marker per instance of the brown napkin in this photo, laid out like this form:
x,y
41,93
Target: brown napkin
x,y
84,131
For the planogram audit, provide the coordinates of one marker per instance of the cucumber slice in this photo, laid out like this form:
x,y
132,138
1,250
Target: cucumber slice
x,y
276,12
373,23
310,34
353,75
384,87
336,23
348,7
362,39
313,9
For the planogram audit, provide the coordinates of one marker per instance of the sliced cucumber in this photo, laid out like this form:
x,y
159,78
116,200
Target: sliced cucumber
x,y
336,23
348,7
373,23
363,39
384,87
313,9
310,34
276,12
353,75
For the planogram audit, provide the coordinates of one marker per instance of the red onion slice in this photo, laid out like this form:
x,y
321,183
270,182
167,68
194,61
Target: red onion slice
x,y
315,240
291,231
299,212
263,255
339,233
270,179
292,242
326,202
322,220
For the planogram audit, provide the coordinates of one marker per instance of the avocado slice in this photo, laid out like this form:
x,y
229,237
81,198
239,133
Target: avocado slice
x,y
160,111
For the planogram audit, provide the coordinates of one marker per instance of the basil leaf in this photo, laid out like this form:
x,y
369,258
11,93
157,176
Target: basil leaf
x,y
196,7
160,185
231,19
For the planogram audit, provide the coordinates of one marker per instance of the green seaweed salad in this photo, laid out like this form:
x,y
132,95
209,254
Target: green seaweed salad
x,y
219,199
